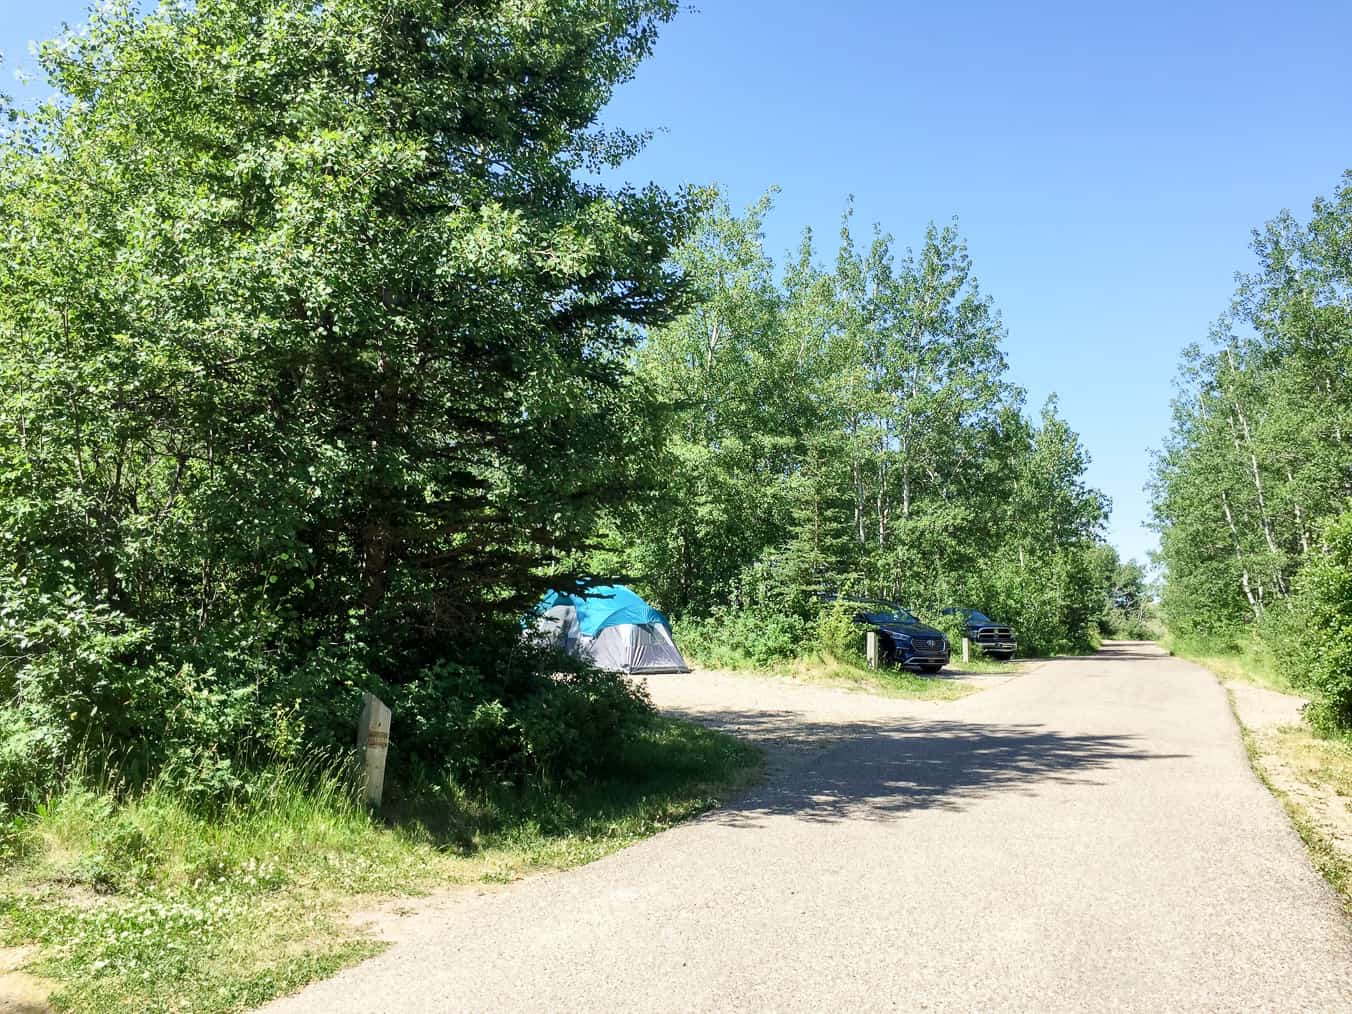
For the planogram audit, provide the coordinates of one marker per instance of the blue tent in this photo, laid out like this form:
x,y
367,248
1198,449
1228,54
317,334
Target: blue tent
x,y
612,626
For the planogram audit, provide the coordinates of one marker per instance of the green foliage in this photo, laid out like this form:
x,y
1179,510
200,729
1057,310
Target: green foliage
x,y
30,761
17,840
850,430
223,910
1315,634
1130,614
749,637
314,370
1256,464
839,637
953,627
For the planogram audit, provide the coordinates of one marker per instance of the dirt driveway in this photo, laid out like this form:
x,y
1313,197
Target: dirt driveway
x,y
1088,836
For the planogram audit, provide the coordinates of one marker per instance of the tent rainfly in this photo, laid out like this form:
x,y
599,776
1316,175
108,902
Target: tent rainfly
x,y
613,627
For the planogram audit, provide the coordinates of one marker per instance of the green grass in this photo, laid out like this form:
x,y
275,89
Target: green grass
x,y
980,665
889,682
1245,663
146,903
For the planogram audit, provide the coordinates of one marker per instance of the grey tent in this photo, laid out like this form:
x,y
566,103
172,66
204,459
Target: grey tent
x,y
613,627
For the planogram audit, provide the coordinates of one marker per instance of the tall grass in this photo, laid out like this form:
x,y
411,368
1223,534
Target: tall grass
x,y
149,900
1246,659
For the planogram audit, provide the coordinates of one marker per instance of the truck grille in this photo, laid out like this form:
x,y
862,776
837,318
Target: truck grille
x,y
994,634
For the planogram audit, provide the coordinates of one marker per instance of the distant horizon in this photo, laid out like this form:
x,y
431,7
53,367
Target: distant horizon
x,y
1107,172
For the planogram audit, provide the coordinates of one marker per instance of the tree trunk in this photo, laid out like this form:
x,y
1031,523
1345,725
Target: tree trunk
x,y
375,564
1254,604
1300,516
1248,450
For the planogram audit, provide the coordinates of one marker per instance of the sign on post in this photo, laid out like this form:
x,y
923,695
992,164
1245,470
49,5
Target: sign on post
x,y
871,649
373,740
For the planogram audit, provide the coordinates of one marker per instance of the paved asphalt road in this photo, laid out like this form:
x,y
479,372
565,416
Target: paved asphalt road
x,y
1086,837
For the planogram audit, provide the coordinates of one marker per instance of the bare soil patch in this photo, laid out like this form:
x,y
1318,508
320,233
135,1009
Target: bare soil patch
x,y
20,992
1313,776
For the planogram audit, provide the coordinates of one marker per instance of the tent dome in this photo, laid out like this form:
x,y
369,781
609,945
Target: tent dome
x,y
610,625
604,606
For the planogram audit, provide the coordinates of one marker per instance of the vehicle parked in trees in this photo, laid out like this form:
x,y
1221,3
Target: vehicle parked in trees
x,y
903,639
995,639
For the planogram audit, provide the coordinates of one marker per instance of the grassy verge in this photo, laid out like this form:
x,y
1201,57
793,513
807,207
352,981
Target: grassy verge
x,y
891,682
148,904
1309,774
1247,663
980,665
1314,762
888,682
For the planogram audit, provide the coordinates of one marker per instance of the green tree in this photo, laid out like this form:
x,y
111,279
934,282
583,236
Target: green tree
x,y
1258,458
852,429
314,342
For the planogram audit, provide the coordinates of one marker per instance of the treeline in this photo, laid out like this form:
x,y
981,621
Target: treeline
x,y
852,429
319,363
304,309
1253,488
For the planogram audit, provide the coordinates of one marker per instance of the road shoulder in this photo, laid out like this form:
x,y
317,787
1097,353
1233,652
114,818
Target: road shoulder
x,y
1311,777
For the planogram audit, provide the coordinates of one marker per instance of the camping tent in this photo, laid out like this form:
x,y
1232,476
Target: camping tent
x,y
613,627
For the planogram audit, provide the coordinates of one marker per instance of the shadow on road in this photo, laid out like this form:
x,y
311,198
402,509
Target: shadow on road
x,y
1119,651
881,771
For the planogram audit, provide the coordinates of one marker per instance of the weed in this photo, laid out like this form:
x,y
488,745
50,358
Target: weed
x,y
149,902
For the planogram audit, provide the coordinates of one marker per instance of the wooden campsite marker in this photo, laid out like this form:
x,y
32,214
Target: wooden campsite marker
x,y
373,740
966,650
871,649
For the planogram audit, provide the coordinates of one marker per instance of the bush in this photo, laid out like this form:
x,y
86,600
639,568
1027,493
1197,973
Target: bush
x,y
751,636
17,841
952,627
1311,639
28,761
1053,602
839,637
540,716
531,716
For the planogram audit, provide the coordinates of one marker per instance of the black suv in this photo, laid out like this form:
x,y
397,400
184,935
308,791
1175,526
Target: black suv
x,y
995,639
903,639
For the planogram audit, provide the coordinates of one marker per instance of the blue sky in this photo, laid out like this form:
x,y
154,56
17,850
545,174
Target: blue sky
x,y
1106,162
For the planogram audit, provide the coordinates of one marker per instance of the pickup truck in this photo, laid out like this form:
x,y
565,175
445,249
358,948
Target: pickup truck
x,y
995,639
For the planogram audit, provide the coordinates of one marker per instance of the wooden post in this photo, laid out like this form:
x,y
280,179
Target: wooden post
x,y
966,651
871,650
373,740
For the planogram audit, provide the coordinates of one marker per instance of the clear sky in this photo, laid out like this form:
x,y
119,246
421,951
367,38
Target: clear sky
x,y
1106,162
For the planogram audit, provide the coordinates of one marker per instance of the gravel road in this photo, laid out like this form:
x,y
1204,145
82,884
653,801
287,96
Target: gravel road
x,y
1087,836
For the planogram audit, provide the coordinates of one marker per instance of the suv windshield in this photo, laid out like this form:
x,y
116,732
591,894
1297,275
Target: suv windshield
x,y
887,612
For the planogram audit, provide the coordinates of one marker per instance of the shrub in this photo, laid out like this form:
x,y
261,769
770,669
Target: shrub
x,y
755,635
122,856
953,628
1311,641
539,716
838,636
17,840
28,760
